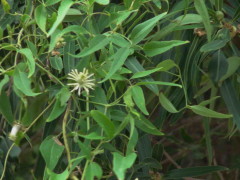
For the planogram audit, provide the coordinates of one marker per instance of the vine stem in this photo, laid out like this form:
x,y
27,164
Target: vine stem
x,y
5,161
35,120
9,150
50,74
90,160
85,170
64,125
87,109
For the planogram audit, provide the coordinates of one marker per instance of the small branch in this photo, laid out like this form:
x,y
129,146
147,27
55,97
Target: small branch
x,y
171,160
5,162
176,165
35,120
64,125
218,172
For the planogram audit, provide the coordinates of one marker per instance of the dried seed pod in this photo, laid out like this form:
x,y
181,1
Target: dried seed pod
x,y
55,53
199,32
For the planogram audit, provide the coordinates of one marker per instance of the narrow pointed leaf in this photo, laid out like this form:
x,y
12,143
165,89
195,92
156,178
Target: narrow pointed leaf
x,y
139,99
133,64
51,2
62,11
145,73
193,171
203,12
102,2
154,48
30,60
97,43
23,83
104,122
56,111
229,94
3,82
159,83
143,29
203,111
5,107
118,61
164,101
41,17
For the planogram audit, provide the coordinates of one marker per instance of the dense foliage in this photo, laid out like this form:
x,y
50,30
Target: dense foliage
x,y
132,89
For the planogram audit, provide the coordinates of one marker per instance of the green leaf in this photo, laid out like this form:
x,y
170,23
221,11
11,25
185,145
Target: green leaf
x,y
206,102
56,111
213,45
193,171
143,29
122,125
202,11
119,40
189,19
121,164
68,60
41,17
1,33
229,94
5,107
102,2
133,139
3,82
63,95
51,2
164,101
93,170
104,122
127,98
159,83
167,65
51,151
34,107
119,17
57,34
118,61
73,12
60,104
92,136
56,62
62,176
218,66
139,99
97,43
6,6
154,48
62,11
133,64
203,111
30,60
146,126
23,83
33,48
99,96
145,73
233,65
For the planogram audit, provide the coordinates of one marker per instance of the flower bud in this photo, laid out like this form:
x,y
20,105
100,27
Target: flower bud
x,y
14,132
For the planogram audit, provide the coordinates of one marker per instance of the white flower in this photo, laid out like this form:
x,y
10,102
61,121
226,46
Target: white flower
x,y
82,80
